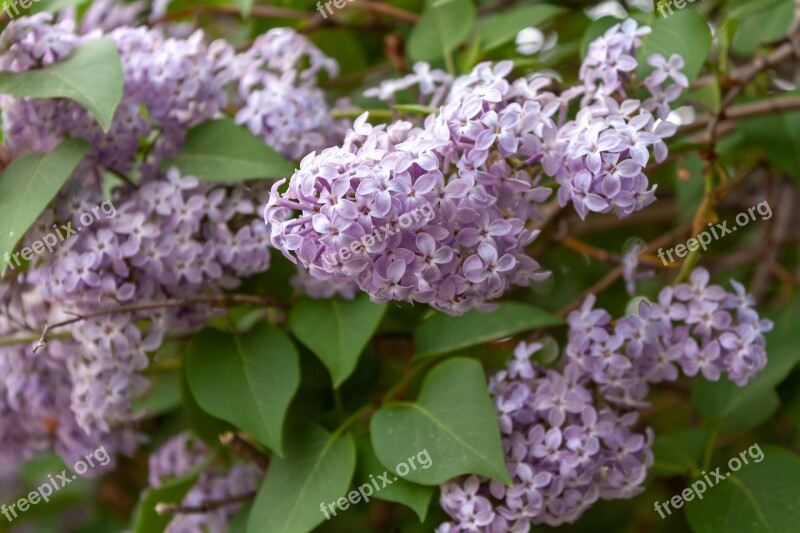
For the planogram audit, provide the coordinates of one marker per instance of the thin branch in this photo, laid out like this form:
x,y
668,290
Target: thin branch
x,y
244,449
753,109
256,11
163,304
206,506
390,10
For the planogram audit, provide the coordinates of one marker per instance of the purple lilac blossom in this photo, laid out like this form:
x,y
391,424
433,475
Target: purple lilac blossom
x,y
180,455
481,163
695,327
564,452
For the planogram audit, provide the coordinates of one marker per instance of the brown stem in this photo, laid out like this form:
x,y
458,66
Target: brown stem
x,y
144,306
753,109
206,506
256,11
244,449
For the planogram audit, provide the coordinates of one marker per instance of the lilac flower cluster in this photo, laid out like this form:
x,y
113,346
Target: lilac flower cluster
x,y
563,450
173,238
179,456
282,104
178,83
695,326
35,392
480,163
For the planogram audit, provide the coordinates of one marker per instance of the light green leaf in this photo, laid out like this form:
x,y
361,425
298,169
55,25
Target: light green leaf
x,y
417,497
766,21
442,333
777,136
759,497
245,6
163,396
502,27
248,380
336,330
440,29
685,33
220,150
53,6
91,75
208,428
28,184
453,421
317,469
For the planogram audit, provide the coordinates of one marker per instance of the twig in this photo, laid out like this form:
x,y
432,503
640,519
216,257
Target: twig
x,y
390,10
244,449
144,306
617,271
256,11
206,506
753,109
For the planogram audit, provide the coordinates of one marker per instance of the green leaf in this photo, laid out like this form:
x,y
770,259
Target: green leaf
x,y
453,421
248,380
442,333
163,396
53,6
754,413
245,6
416,497
220,150
723,398
766,22
500,28
91,75
173,491
777,136
28,184
206,427
679,452
759,497
686,33
317,469
440,30
336,330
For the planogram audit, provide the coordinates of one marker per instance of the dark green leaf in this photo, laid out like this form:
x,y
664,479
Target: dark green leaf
x,y
91,75
442,333
248,380
28,184
336,330
206,427
595,30
453,421
417,497
163,396
220,150
759,497
679,452
317,469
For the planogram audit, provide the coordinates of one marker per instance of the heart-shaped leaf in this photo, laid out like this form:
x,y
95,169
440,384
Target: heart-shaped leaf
x,y
316,470
220,150
441,28
91,75
248,380
442,333
453,420
336,330
759,497
28,185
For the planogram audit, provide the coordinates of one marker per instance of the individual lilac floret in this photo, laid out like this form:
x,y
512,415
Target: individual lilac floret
x,y
696,327
563,451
